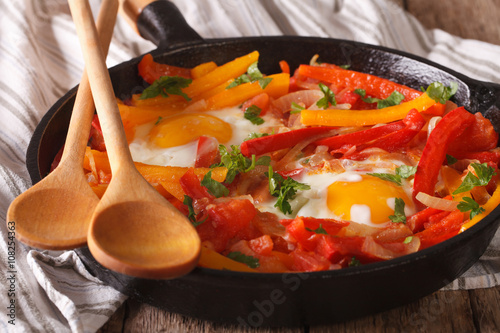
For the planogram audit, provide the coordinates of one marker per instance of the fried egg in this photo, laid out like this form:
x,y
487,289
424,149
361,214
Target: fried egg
x,y
172,141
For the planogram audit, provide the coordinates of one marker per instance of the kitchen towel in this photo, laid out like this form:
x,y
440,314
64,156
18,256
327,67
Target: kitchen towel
x,y
40,60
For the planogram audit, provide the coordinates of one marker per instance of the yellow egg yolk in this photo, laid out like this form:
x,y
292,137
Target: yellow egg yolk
x,y
181,129
371,192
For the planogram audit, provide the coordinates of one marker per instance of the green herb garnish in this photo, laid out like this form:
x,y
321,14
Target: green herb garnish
x,y
253,74
441,93
450,159
252,113
354,262
399,212
296,108
394,99
166,86
468,204
284,190
188,201
214,187
250,261
320,230
236,162
484,174
408,240
328,99
402,172
254,135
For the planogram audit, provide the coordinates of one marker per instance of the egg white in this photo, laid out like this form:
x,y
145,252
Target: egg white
x,y
184,156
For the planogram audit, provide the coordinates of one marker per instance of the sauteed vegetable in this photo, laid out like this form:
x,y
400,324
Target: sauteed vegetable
x,y
322,168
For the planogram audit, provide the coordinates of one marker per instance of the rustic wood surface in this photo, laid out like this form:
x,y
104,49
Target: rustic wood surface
x,y
444,311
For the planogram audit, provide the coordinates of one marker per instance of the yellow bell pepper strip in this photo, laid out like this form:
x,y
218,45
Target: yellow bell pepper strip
x,y
239,94
203,69
336,117
488,207
221,74
139,115
373,85
447,129
211,259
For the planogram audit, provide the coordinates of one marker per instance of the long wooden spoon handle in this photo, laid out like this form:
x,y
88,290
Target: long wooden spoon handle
x,y
102,89
131,9
83,110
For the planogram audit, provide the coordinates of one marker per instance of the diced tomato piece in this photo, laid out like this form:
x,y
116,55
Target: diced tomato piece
x,y
291,173
207,152
191,185
261,101
151,71
347,96
262,245
285,68
308,261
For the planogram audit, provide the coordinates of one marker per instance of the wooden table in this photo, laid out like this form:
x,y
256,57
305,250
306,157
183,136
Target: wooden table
x,y
444,311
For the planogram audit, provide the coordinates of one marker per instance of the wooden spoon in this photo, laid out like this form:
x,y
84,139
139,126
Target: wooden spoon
x,y
134,230
55,213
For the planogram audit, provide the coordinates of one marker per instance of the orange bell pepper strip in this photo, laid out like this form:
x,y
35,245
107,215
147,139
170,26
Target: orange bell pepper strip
x,y
239,94
373,85
211,259
336,117
139,115
221,74
203,69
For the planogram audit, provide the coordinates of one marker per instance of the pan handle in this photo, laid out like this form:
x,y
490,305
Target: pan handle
x,y
161,22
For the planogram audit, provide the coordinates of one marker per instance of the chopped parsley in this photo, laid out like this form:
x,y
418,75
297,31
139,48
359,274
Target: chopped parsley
x,y
394,99
158,121
450,159
484,174
328,99
252,113
214,187
354,262
188,201
402,172
408,240
296,108
255,136
236,162
441,93
468,204
250,261
166,86
284,190
399,212
253,74
320,230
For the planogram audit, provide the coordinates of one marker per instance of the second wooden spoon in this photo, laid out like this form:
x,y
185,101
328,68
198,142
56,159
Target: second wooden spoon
x,y
134,230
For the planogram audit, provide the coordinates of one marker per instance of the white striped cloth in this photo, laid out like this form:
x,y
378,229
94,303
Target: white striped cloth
x,y
40,60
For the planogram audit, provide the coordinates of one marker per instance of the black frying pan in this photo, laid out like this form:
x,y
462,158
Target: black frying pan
x,y
298,298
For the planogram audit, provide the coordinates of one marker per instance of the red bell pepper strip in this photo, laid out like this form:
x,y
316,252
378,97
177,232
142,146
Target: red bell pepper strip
x,y
416,221
373,85
447,129
480,136
151,71
395,140
357,138
441,231
492,156
270,143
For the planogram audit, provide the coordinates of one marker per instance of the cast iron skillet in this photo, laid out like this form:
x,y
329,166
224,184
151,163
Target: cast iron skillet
x,y
284,299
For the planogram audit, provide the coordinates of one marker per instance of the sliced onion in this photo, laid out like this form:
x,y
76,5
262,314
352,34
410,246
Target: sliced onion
x,y
306,97
432,124
435,202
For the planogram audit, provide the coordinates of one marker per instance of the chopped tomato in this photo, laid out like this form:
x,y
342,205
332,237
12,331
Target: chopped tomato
x,y
308,261
261,101
207,152
442,230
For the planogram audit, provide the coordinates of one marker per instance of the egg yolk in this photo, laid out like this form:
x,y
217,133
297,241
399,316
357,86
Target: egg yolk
x,y
344,197
181,129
